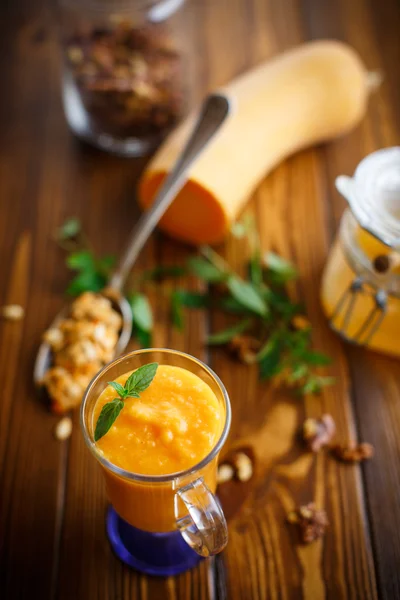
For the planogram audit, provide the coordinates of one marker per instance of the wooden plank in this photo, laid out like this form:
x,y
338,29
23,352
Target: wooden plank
x,y
30,459
289,206
97,572
372,28
340,566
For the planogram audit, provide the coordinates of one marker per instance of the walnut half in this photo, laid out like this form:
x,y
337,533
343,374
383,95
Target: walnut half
x,y
318,432
353,453
311,522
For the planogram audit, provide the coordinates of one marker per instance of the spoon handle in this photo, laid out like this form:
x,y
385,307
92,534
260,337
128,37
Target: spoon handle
x,y
214,111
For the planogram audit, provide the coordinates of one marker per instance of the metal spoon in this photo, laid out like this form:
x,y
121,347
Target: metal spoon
x,y
214,111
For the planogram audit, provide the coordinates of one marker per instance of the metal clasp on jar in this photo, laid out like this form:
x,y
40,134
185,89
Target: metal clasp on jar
x,y
347,305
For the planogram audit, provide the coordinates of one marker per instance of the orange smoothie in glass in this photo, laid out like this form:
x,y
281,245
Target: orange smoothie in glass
x,y
171,427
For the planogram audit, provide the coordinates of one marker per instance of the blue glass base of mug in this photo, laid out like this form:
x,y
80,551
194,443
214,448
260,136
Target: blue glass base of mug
x,y
161,554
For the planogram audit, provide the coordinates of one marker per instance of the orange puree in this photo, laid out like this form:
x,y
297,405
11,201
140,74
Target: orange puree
x,y
172,426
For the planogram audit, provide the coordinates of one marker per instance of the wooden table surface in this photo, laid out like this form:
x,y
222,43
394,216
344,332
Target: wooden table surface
x,y
53,543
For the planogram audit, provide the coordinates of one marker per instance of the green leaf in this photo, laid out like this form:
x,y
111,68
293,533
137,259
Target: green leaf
x,y
255,270
229,304
280,302
86,281
143,337
312,357
314,384
69,229
222,337
280,269
163,272
269,359
109,413
141,379
247,295
142,314
192,299
205,270
105,263
177,315
80,261
297,342
298,372
118,388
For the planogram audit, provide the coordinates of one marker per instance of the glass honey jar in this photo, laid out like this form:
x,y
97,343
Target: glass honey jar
x,y
360,291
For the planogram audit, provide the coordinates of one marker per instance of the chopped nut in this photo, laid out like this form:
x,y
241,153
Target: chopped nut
x,y
55,338
94,307
245,348
63,389
82,344
305,512
300,322
310,522
12,312
243,466
292,517
225,473
63,429
354,452
318,432
75,54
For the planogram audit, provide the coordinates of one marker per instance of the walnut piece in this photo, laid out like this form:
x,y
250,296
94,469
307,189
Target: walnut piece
x,y
243,465
300,322
311,522
237,465
318,432
245,348
225,473
63,429
12,312
353,453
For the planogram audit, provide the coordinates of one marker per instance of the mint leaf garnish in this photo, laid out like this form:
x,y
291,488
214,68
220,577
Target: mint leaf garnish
x,y
118,388
141,378
136,383
109,413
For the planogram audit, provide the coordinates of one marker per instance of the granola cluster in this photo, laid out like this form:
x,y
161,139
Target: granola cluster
x,y
130,79
82,344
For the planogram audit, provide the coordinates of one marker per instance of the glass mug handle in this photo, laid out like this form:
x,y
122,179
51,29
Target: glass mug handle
x,y
204,529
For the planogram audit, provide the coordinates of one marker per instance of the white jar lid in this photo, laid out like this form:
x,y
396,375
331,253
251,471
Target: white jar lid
x,y
374,194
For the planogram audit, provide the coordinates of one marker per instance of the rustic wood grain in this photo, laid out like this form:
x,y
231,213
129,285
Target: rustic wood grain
x,y
53,542
375,379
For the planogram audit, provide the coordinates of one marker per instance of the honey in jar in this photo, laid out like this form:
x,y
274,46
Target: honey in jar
x,y
361,282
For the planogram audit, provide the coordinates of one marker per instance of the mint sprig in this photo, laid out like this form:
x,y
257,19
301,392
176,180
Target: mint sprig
x,y
136,383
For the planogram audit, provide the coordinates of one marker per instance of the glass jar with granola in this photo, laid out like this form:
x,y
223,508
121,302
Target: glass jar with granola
x,y
125,77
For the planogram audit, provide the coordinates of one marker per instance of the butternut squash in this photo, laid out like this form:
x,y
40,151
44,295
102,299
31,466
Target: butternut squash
x,y
307,95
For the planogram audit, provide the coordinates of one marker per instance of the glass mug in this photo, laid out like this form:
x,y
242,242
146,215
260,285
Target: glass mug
x,y
156,522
